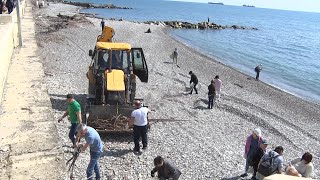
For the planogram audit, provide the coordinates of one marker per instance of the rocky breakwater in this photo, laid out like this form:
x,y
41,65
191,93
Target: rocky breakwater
x,y
201,25
91,5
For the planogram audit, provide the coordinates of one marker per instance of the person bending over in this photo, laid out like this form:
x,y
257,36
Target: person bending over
x,y
96,147
193,80
165,168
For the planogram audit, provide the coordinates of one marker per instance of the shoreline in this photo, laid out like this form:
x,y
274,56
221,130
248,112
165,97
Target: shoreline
x,y
215,59
209,142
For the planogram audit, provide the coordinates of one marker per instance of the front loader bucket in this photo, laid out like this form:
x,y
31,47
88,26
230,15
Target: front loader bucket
x,y
110,118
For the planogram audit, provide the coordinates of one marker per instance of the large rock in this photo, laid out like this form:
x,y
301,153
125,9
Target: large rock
x,y
201,25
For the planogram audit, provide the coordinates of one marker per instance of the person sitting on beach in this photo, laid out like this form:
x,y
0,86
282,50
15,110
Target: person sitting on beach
x,y
303,166
217,86
148,31
211,94
277,163
258,70
193,80
165,168
252,147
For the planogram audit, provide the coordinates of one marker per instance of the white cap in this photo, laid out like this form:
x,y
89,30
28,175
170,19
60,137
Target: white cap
x,y
257,131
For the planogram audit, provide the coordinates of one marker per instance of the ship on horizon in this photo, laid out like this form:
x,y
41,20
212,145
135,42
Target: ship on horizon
x,y
218,3
248,5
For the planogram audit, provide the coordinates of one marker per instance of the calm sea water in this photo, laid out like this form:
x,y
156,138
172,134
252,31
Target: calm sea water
x,y
287,43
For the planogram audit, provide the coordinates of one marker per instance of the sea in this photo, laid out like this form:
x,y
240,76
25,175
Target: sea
x,y
287,43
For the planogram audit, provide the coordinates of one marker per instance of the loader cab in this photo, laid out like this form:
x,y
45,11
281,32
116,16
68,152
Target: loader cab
x,y
112,59
113,71
119,56
101,60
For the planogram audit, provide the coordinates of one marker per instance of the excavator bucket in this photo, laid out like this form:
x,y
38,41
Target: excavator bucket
x,y
110,118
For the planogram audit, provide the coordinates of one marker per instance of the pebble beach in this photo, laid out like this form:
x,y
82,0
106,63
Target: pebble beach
x,y
208,143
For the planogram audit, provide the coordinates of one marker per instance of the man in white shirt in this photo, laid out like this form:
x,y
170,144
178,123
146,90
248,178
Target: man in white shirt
x,y
139,118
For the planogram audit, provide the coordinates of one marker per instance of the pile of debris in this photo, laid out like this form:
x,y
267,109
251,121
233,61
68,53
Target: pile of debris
x,y
53,24
115,124
90,5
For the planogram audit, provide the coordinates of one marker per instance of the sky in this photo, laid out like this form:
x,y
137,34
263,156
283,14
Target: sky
x,y
295,5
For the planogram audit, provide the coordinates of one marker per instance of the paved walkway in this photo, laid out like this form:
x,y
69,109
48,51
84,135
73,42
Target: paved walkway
x,y
28,136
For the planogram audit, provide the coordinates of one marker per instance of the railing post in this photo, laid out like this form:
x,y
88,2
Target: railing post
x,y
19,23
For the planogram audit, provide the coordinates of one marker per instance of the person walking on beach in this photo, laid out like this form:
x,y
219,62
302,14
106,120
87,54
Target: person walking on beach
x,y
102,23
211,94
252,146
258,70
74,113
194,81
165,168
256,158
175,56
96,148
139,118
217,86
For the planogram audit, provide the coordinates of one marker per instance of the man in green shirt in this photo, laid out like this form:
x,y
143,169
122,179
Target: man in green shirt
x,y
74,112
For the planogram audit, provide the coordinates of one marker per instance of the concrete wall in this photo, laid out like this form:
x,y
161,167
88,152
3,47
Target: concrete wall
x,y
8,41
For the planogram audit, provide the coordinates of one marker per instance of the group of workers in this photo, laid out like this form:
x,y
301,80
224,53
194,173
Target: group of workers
x,y
214,88
255,150
164,167
268,162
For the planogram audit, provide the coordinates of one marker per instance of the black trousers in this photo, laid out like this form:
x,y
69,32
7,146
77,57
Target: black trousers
x,y
210,103
140,131
257,76
194,88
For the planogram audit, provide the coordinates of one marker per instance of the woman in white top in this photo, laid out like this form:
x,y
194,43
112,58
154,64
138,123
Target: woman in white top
x,y
302,165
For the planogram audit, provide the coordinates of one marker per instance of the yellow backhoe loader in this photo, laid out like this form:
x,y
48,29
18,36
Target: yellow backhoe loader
x,y
112,83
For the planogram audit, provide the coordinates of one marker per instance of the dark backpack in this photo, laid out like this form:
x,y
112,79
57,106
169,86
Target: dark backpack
x,y
266,166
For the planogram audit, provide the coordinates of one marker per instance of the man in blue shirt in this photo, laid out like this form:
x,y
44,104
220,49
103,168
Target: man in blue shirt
x,y
94,141
277,162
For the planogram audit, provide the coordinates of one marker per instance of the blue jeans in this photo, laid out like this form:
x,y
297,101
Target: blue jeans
x,y
93,165
210,104
73,132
